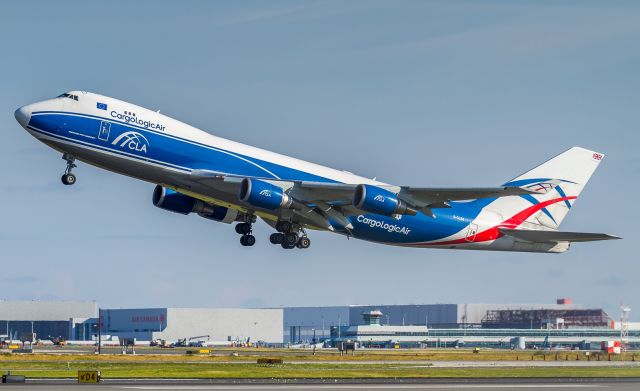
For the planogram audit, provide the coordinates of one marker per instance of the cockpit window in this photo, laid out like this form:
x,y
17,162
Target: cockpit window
x,y
65,95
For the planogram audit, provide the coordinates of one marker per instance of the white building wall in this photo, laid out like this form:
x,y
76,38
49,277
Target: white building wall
x,y
222,324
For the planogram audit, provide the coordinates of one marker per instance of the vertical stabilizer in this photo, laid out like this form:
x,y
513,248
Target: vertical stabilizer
x,y
566,175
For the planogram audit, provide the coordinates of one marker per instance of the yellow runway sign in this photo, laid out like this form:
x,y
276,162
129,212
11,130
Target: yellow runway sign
x,y
88,376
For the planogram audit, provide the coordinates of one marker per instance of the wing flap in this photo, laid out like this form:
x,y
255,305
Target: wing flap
x,y
434,196
555,236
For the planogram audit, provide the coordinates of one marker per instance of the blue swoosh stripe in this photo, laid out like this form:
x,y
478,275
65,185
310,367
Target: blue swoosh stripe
x,y
191,154
531,199
117,152
562,194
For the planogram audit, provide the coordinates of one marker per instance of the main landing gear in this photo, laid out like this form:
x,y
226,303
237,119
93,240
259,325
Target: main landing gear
x,y
245,229
288,236
68,178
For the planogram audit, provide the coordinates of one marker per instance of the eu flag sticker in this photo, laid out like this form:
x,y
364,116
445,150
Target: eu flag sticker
x,y
102,106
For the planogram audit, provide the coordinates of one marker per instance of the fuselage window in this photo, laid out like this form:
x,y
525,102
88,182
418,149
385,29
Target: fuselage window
x,y
65,95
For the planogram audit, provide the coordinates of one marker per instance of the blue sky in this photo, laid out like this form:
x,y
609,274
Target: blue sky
x,y
423,93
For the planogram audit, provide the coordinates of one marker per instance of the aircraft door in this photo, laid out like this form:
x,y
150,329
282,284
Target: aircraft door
x,y
105,128
472,232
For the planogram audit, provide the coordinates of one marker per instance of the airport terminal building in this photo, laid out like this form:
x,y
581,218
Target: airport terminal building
x,y
302,322
412,325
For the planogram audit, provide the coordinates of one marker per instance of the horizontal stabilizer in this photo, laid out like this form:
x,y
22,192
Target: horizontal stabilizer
x,y
555,236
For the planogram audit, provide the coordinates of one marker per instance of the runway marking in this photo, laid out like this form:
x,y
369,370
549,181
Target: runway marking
x,y
360,386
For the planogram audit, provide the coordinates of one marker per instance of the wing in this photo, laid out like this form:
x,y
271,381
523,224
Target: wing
x,y
343,193
427,199
555,236
336,198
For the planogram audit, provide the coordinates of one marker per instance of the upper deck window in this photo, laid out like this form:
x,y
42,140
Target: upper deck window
x,y
70,96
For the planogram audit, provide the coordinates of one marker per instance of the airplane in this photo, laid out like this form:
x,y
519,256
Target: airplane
x,y
229,182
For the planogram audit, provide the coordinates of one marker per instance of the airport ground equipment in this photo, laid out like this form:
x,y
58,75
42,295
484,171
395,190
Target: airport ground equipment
x,y
196,341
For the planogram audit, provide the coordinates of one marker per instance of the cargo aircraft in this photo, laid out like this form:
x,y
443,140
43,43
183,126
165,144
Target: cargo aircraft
x,y
227,182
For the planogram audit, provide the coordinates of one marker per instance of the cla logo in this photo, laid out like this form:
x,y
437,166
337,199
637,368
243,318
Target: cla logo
x,y
265,193
133,140
378,198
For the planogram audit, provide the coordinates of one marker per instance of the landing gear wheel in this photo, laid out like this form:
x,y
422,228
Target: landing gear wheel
x,y
68,179
247,240
287,246
243,228
283,226
304,242
276,238
290,239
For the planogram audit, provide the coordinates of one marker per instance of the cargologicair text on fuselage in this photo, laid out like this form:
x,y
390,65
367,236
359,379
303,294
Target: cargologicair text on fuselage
x,y
132,119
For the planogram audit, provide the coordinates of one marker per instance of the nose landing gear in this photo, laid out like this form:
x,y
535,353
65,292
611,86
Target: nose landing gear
x,y
68,178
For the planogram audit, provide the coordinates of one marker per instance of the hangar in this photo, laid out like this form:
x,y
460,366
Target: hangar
x,y
47,319
210,324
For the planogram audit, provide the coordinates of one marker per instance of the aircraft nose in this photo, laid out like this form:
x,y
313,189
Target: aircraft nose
x,y
23,115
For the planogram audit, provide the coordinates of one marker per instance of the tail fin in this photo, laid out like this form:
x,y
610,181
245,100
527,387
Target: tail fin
x,y
566,174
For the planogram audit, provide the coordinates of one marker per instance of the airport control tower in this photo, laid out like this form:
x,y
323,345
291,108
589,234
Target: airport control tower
x,y
372,318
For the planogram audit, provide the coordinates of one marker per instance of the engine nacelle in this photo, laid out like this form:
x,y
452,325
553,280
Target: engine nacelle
x,y
173,201
376,200
221,214
263,194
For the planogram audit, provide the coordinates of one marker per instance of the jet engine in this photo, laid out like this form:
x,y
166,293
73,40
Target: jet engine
x,y
263,194
173,201
376,200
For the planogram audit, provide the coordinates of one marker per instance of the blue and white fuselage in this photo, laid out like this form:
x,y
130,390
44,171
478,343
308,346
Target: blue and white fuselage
x,y
228,181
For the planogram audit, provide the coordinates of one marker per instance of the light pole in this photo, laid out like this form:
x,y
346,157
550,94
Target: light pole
x,y
99,332
313,341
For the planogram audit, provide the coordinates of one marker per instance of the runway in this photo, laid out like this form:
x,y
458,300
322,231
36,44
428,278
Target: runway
x,y
434,384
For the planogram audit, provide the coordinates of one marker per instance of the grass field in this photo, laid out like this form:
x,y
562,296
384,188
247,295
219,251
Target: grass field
x,y
302,364
291,355
310,370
